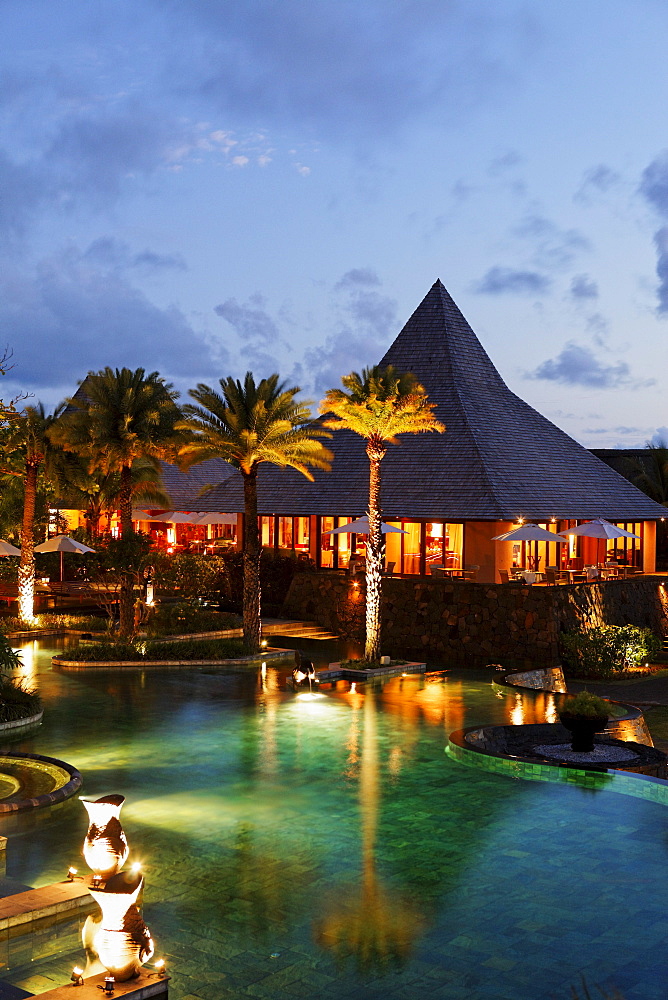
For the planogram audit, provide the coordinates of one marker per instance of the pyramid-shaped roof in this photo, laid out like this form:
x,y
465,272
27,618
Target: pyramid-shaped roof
x,y
499,458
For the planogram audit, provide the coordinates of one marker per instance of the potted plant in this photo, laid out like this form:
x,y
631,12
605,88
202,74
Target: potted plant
x,y
583,716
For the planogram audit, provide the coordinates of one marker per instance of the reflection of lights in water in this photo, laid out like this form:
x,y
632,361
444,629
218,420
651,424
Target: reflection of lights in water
x,y
517,712
395,761
27,673
550,709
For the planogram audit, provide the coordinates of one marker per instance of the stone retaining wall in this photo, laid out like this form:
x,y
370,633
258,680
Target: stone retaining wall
x,y
472,624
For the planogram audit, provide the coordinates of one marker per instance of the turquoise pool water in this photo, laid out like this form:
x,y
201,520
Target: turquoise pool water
x,y
327,847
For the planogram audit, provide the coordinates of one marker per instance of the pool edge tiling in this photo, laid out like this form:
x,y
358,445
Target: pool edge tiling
x,y
640,786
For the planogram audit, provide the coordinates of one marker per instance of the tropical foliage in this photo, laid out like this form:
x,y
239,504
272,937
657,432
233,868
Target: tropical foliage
x,y
607,650
247,424
27,443
193,649
379,404
118,418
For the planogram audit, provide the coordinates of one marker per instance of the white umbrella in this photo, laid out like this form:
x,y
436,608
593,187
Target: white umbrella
x,y
213,518
361,527
6,549
530,533
142,515
599,528
177,517
62,544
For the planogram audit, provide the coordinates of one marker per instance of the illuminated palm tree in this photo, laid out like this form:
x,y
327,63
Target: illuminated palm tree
x,y
378,404
246,424
27,442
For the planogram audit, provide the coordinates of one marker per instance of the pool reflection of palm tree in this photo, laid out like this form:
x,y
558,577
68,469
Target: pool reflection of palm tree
x,y
368,921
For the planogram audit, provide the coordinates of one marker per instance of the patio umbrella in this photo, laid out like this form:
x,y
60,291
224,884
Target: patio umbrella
x,y
6,549
529,533
62,544
599,528
361,527
213,518
177,517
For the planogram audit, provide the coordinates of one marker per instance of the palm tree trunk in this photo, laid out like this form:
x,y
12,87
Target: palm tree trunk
x,y
126,597
125,501
26,576
374,553
251,596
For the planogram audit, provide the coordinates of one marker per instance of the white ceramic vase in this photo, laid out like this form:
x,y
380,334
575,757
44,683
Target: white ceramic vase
x,y
123,942
105,848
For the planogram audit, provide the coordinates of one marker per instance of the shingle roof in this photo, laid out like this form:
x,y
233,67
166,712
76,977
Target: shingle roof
x,y
498,459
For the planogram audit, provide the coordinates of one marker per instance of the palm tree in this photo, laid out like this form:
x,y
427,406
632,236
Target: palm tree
x,y
120,417
98,493
650,473
246,424
378,404
27,441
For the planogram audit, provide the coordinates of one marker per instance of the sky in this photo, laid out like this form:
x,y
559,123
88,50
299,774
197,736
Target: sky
x,y
202,187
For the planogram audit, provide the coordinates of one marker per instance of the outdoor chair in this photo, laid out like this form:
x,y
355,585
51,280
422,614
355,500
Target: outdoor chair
x,y
436,569
389,569
505,576
470,572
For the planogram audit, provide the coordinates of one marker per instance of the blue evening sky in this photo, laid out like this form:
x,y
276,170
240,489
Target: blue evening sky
x,y
205,186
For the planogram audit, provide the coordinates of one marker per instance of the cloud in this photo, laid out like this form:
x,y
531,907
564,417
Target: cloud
x,y
502,280
364,276
654,183
583,288
365,323
501,164
654,187
597,180
660,436
23,191
661,244
96,153
577,365
277,61
250,321
553,248
106,251
70,314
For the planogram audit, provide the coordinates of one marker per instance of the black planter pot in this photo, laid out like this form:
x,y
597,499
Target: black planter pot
x,y
582,729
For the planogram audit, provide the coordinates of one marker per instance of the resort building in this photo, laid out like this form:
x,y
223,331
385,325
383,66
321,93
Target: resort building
x,y
499,461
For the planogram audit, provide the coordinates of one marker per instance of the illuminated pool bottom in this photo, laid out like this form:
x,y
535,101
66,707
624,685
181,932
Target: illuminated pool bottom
x,y
328,847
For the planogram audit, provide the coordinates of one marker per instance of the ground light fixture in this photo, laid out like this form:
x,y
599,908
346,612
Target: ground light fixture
x,y
109,986
72,874
77,976
96,882
160,968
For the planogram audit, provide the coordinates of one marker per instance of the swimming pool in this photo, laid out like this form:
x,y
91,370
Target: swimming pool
x,y
328,847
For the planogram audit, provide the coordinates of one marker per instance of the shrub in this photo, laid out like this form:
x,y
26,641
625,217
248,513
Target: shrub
x,y
16,701
10,658
202,649
608,649
184,618
586,704
192,575
85,623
